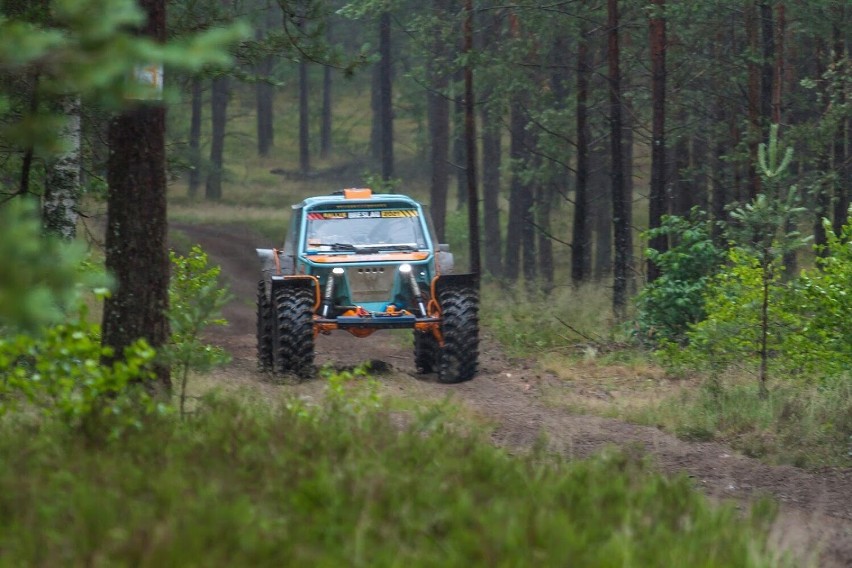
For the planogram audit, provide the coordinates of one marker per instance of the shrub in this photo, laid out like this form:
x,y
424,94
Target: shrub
x,y
671,303
823,299
59,374
196,299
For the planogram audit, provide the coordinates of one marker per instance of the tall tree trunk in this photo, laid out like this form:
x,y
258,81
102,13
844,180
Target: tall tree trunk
x,y
657,195
470,145
544,205
601,207
620,216
376,111
264,92
304,120
720,180
491,117
220,93
528,233
136,249
516,221
62,178
195,136
491,162
754,126
29,153
438,110
459,148
780,62
580,245
683,189
823,187
386,94
842,159
325,124
325,120
767,68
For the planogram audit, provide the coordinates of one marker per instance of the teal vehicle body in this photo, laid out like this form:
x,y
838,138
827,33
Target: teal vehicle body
x,y
358,262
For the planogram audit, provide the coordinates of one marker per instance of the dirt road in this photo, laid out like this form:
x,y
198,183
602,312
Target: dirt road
x,y
816,507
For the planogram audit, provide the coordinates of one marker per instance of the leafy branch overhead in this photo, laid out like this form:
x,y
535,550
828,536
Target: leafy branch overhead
x,y
88,48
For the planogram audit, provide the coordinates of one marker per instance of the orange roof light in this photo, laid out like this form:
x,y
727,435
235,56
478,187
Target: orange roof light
x,y
358,193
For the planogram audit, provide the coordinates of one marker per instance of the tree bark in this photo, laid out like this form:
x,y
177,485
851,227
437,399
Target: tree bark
x,y
325,122
842,144
62,178
459,148
304,120
754,127
264,91
580,245
517,219
195,136
265,96
767,68
491,162
386,95
136,249
546,268
657,195
823,186
438,108
219,115
620,216
376,110
470,146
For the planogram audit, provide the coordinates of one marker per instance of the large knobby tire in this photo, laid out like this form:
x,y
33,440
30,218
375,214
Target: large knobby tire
x,y
294,332
425,351
264,329
459,357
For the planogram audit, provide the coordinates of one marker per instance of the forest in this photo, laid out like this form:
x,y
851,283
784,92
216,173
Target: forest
x,y
655,197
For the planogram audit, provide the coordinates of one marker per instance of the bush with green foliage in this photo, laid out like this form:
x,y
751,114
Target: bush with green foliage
x,y
797,331
41,278
671,303
730,334
60,374
196,298
822,297
348,485
50,355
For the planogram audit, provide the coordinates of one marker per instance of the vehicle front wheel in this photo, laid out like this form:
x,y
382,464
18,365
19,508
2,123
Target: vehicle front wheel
x,y
425,351
264,329
459,356
294,332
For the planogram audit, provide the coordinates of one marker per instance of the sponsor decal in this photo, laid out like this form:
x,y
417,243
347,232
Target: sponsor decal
x,y
384,213
364,214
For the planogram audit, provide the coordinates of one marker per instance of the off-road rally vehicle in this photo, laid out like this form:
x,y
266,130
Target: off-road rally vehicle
x,y
360,262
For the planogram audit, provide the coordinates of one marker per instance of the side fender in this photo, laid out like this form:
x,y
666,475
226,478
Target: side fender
x,y
302,281
268,265
444,259
444,281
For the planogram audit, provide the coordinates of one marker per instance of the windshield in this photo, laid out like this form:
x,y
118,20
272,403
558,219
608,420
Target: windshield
x,y
343,231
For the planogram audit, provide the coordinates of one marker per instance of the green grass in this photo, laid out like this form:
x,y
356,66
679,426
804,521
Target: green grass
x,y
251,483
807,425
528,324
